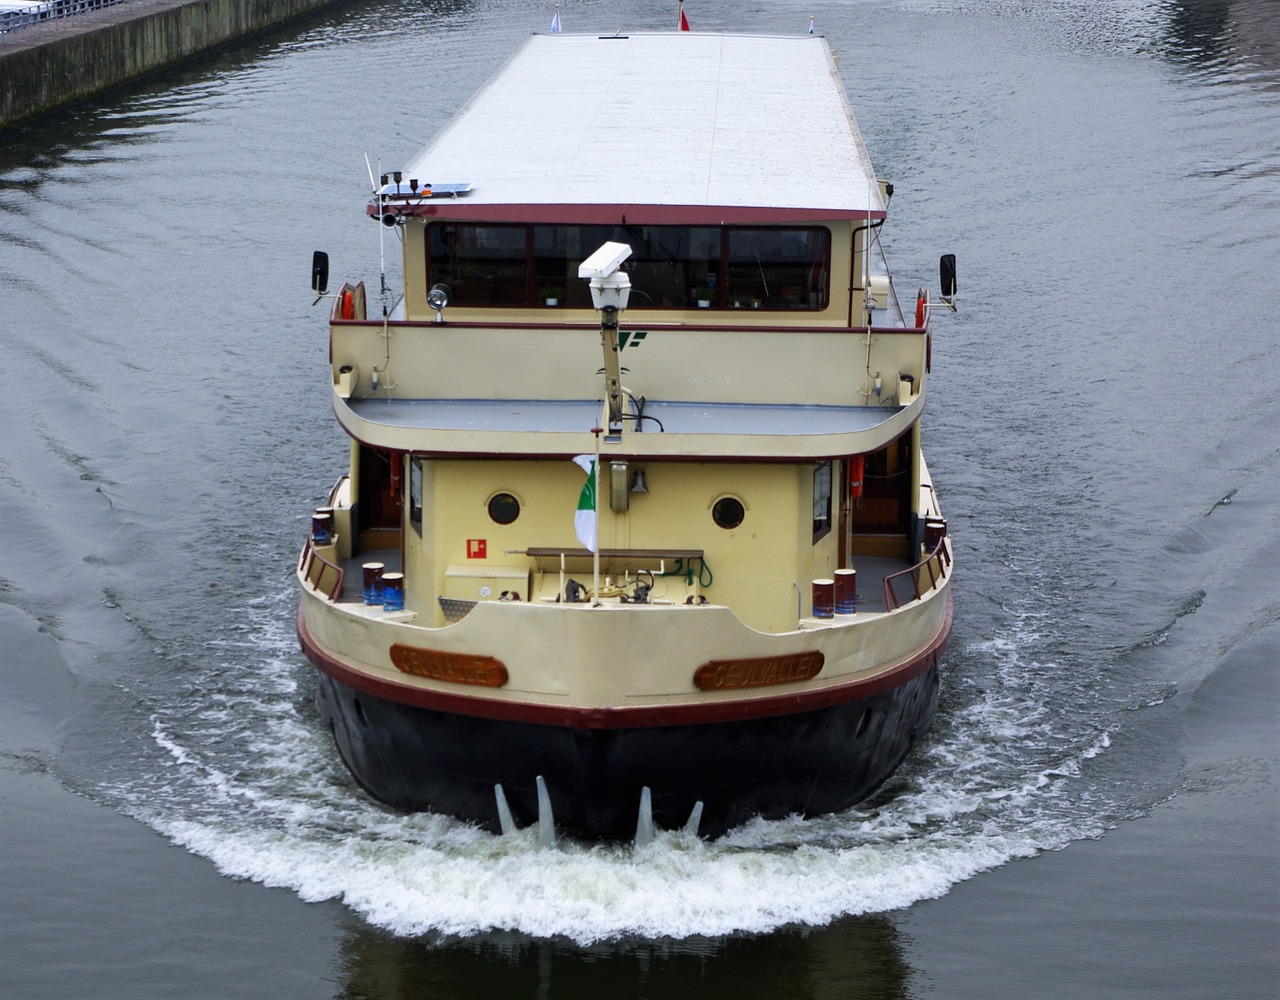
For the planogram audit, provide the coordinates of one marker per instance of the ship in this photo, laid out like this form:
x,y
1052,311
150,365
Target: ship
x,y
636,533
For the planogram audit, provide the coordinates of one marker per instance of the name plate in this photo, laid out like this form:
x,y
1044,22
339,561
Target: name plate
x,y
452,668
764,671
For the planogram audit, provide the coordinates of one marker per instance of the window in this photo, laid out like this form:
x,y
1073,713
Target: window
x,y
821,500
728,512
415,494
503,508
670,267
482,265
776,268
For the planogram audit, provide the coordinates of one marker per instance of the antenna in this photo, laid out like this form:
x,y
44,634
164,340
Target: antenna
x,y
868,303
382,248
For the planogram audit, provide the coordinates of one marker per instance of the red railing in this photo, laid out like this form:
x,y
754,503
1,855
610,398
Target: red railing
x,y
323,576
937,563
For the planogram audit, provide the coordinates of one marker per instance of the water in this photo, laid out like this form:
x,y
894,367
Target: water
x,y
1109,177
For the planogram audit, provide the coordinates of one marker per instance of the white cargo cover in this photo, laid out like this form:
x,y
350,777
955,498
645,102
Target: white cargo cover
x,y
672,119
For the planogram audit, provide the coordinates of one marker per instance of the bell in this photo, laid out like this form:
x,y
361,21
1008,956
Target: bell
x,y
638,485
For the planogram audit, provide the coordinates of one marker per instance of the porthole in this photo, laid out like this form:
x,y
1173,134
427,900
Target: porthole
x,y
503,508
728,512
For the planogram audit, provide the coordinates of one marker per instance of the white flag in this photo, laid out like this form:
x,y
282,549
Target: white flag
x,y
584,518
555,21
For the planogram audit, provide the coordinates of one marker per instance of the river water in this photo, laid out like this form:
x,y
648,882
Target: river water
x,y
1094,813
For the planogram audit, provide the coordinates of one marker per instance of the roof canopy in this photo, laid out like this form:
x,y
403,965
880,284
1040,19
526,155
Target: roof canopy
x,y
710,124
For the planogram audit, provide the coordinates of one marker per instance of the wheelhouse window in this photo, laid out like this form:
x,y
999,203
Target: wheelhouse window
x,y
670,267
776,268
482,265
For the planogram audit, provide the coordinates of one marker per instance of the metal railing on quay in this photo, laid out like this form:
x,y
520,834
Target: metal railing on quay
x,y
25,22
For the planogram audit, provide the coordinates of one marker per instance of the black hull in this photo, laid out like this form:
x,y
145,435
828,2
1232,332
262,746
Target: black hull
x,y
811,762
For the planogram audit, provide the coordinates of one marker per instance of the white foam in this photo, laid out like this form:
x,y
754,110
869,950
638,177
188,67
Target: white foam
x,y
454,880
250,780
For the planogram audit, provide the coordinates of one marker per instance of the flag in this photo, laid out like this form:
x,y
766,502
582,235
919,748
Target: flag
x,y
684,21
810,24
584,518
555,21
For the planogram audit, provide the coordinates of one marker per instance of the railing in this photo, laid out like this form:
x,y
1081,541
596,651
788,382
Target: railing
x,y
35,15
323,576
626,559
937,563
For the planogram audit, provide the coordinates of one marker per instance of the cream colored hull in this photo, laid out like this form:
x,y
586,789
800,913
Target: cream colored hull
x,y
601,707
617,657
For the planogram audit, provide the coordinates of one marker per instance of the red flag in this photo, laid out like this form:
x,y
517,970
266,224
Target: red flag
x,y
684,21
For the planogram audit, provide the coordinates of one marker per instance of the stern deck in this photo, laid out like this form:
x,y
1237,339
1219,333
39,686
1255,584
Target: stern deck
x,y
872,571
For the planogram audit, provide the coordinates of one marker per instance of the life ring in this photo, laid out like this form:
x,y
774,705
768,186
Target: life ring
x,y
922,303
855,477
348,305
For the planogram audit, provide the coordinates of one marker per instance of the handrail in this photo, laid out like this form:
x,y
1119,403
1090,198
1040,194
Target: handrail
x,y
940,556
39,13
315,575
553,551
378,322
630,556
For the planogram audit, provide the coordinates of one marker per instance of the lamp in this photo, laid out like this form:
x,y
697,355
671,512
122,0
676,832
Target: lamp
x,y
437,299
609,286
610,290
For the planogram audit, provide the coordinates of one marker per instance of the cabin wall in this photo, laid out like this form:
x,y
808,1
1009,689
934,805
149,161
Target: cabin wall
x,y
841,273
415,271
420,544
454,361
817,560
413,232
754,568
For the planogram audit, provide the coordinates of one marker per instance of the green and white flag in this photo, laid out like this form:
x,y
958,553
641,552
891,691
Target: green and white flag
x,y
584,519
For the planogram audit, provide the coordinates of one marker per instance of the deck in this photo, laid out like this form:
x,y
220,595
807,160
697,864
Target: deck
x,y
872,571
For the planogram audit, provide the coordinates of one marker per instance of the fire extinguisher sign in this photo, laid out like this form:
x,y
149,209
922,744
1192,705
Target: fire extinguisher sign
x,y
476,548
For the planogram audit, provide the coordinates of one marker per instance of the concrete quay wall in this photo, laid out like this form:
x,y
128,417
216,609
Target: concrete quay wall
x,y
74,58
